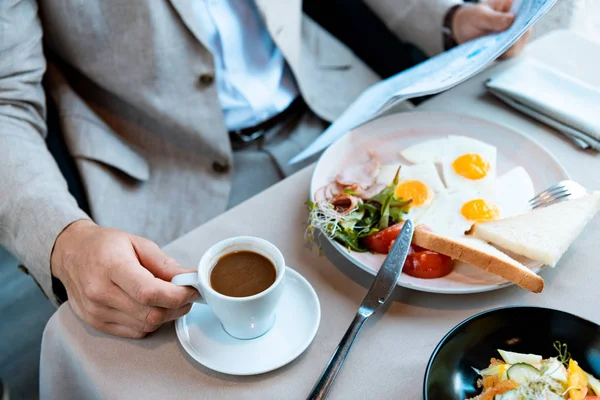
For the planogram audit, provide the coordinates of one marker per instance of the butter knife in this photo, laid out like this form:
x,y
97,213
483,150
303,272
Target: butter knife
x,y
380,291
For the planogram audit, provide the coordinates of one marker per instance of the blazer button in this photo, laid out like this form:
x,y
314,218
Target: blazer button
x,y
207,78
220,168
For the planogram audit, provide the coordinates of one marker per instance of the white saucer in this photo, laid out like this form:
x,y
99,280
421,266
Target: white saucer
x,y
297,320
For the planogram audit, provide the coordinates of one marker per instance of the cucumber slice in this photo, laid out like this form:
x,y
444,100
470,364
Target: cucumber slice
x,y
515,358
522,373
494,370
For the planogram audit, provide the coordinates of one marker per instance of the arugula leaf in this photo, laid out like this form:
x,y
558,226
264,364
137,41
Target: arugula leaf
x,y
350,240
352,219
398,213
384,221
399,208
385,198
371,216
383,195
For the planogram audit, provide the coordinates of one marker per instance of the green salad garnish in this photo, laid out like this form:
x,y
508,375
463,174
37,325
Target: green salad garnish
x,y
367,217
563,355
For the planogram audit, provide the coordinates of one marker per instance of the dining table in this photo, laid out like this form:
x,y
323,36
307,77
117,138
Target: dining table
x,y
389,358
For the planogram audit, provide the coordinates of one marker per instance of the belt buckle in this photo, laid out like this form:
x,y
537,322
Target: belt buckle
x,y
240,140
248,138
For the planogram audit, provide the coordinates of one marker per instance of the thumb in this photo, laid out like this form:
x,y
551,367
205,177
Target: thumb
x,y
495,21
155,260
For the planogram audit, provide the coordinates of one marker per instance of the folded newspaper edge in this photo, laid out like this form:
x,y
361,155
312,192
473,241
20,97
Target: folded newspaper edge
x,y
437,74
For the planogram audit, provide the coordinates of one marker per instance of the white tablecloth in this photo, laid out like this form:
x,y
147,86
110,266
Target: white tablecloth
x,y
389,358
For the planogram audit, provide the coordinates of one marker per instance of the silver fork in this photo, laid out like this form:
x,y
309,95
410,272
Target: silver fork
x,y
563,190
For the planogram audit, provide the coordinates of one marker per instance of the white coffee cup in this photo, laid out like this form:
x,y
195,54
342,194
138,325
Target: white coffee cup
x,y
241,317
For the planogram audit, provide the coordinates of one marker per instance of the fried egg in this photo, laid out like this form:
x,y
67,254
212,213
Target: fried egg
x,y
466,162
469,163
426,151
419,183
455,210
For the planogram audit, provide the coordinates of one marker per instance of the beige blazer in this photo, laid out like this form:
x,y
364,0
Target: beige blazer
x,y
139,110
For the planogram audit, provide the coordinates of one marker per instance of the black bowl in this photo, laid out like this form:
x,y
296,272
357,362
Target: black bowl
x,y
449,374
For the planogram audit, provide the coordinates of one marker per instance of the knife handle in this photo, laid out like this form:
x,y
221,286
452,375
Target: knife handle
x,y
335,363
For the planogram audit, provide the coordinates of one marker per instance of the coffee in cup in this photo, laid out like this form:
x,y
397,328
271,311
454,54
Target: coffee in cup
x,y
242,274
241,279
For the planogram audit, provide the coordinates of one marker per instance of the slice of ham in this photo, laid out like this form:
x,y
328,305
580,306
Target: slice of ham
x,y
320,195
361,174
344,203
332,190
327,192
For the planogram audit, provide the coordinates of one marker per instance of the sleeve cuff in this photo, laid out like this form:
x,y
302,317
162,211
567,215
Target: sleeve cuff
x,y
430,37
36,257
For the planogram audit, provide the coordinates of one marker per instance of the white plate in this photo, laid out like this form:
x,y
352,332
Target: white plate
x,y
386,136
297,319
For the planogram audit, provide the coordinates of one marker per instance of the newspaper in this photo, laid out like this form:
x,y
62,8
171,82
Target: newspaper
x,y
437,74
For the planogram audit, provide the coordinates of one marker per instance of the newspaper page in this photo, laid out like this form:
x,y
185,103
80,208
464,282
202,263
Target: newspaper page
x,y
435,75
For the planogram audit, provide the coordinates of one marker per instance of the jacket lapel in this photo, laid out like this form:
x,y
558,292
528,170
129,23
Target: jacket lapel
x,y
283,20
187,13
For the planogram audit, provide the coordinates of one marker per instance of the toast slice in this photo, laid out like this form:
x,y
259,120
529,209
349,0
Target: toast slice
x,y
543,234
481,255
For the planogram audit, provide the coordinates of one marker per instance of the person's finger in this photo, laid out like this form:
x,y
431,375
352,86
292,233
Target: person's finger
x,y
500,5
109,315
144,288
147,318
155,260
173,314
492,20
154,318
123,331
111,327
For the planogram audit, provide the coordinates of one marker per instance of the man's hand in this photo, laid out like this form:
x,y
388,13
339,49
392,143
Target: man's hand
x,y
116,282
476,20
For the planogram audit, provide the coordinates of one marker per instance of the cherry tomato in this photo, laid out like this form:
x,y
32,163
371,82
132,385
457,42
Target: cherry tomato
x,y
381,242
427,264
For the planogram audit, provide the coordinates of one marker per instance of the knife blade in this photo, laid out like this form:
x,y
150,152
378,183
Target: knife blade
x,y
389,273
380,290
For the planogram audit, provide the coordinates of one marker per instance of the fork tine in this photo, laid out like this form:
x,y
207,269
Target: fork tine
x,y
559,184
549,196
551,201
563,190
557,200
552,189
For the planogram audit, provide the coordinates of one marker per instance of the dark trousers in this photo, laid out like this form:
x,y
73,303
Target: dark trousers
x,y
354,24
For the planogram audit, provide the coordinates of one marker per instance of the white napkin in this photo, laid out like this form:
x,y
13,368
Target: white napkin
x,y
567,104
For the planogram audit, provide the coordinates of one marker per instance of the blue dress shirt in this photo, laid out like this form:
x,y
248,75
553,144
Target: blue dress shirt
x,y
253,80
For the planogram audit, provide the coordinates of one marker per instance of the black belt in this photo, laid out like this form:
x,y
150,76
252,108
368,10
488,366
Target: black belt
x,y
250,134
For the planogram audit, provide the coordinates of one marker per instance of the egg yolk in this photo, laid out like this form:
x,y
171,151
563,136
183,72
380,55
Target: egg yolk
x,y
416,191
471,166
480,210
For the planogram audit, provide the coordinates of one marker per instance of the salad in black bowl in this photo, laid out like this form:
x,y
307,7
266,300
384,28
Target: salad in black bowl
x,y
517,353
